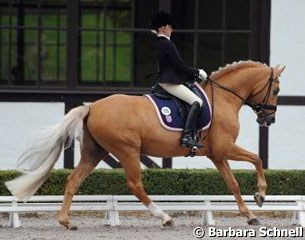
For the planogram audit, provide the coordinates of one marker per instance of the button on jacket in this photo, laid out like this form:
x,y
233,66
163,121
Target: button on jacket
x,y
171,65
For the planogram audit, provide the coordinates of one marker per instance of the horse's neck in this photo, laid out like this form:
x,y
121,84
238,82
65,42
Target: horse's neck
x,y
242,82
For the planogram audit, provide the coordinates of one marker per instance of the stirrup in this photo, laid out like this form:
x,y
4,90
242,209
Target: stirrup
x,y
189,141
192,152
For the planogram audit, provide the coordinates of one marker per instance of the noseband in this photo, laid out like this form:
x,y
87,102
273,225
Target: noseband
x,y
258,108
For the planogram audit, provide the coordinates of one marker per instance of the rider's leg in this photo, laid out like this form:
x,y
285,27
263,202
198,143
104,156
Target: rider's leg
x,y
189,136
180,91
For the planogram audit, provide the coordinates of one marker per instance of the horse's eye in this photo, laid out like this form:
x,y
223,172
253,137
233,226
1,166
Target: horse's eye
x,y
276,91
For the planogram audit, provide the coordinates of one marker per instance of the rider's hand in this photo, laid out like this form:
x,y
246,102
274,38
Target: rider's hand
x,y
202,74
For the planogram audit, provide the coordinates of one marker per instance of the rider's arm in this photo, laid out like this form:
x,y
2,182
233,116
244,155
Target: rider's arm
x,y
177,61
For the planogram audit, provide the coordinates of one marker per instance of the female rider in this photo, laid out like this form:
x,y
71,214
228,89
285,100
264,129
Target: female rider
x,y
174,73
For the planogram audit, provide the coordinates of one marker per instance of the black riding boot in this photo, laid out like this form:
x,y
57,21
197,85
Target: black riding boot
x,y
189,137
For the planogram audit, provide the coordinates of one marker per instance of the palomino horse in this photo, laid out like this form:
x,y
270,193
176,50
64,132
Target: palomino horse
x,y
127,126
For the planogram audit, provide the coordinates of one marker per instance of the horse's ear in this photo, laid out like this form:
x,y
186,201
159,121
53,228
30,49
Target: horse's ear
x,y
278,69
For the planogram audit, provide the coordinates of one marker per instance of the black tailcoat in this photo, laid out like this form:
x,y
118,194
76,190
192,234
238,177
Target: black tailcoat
x,y
171,65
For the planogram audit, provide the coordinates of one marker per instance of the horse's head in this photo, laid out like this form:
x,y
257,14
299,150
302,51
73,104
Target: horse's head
x,y
263,100
261,94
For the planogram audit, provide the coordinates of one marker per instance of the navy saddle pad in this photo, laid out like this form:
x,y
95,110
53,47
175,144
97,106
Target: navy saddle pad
x,y
170,117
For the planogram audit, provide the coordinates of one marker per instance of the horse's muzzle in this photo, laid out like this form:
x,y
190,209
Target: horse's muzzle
x,y
265,121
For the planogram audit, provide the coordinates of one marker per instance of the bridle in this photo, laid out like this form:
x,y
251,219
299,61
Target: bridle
x,y
258,108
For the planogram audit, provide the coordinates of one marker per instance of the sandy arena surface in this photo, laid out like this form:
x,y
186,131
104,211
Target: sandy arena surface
x,y
133,227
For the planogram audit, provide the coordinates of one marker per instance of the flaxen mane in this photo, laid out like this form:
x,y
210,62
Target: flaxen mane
x,y
234,66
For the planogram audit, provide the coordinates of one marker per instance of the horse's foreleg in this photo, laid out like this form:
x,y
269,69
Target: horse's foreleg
x,y
132,168
228,176
239,154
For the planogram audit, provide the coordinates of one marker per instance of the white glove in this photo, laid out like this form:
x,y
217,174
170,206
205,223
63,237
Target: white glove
x,y
202,74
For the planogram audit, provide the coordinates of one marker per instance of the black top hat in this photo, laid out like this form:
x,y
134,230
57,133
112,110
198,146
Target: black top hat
x,y
160,19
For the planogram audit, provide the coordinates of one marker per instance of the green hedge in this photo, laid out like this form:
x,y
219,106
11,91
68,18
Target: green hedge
x,y
171,182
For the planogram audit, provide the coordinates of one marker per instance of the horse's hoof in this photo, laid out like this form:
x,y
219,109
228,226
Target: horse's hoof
x,y
253,221
169,223
67,225
73,228
259,199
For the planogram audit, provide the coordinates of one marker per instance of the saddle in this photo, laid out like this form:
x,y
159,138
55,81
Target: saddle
x,y
172,112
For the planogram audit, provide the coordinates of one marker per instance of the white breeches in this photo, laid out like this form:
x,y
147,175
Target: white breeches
x,y
182,92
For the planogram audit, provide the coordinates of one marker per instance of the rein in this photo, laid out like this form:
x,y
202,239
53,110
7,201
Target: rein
x,y
256,107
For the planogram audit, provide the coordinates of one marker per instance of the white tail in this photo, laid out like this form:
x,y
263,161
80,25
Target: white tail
x,y
38,160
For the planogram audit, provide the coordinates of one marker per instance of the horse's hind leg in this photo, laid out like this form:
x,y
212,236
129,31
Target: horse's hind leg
x,y
228,176
239,154
91,154
130,161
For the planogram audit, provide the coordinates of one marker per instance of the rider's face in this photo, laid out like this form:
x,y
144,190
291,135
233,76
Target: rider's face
x,y
166,30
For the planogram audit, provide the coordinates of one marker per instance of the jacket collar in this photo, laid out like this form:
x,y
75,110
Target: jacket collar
x,y
162,35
